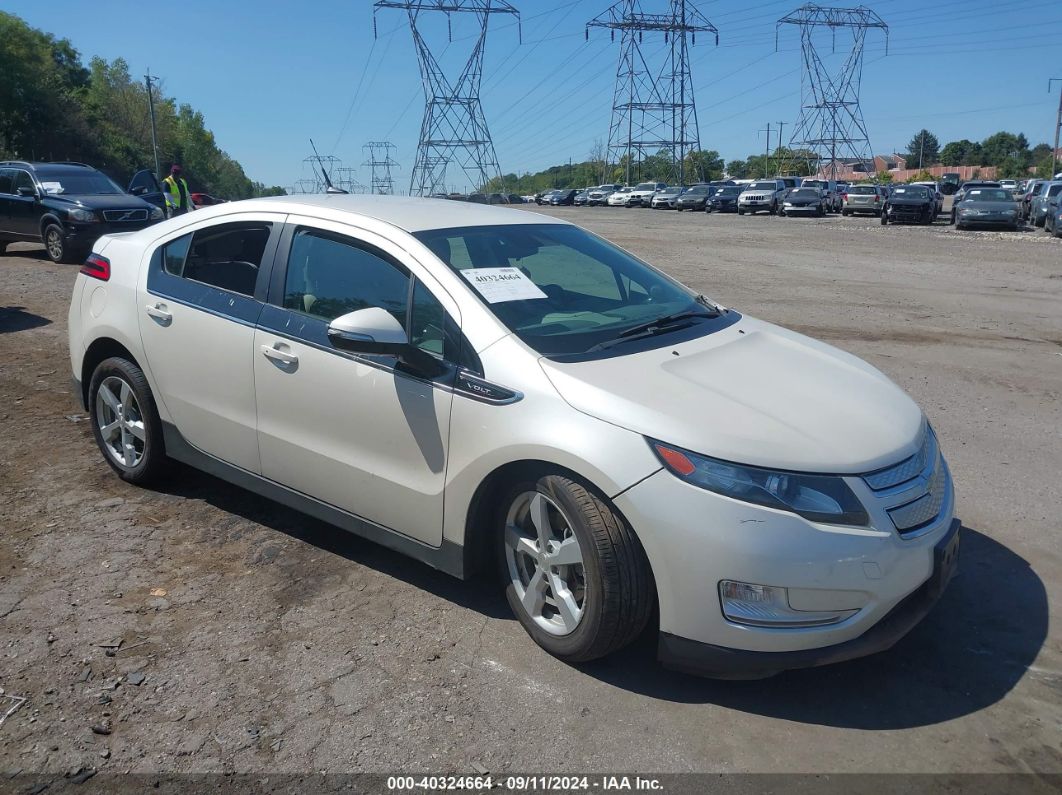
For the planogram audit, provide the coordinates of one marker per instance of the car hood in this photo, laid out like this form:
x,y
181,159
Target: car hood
x,y
116,201
752,393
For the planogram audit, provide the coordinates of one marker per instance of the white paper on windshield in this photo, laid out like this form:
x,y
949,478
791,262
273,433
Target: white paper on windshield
x,y
498,285
52,187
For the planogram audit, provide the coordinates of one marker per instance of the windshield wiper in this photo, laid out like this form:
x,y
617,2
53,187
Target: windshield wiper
x,y
653,327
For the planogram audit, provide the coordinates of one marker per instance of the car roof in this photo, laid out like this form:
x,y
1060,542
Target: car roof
x,y
412,214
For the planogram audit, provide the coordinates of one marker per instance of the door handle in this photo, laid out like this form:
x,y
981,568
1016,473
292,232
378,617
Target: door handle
x,y
279,356
158,311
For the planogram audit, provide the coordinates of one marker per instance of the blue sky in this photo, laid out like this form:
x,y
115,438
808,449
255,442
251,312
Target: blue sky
x,y
268,75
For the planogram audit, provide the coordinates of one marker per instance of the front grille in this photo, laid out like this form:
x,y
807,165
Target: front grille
x,y
915,490
118,216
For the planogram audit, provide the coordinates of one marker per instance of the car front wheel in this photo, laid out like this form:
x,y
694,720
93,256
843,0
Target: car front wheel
x,y
56,246
576,576
125,422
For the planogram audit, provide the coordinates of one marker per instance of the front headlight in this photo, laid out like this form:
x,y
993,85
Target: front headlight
x,y
156,214
78,214
817,498
1010,212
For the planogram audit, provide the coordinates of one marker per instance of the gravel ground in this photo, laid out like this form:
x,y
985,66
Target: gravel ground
x,y
253,639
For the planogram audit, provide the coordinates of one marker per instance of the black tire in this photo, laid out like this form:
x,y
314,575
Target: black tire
x,y
960,226
821,212
884,218
153,459
3,247
740,211
618,591
846,213
54,244
781,213
953,219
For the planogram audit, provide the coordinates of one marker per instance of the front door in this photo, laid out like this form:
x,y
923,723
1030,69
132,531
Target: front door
x,y
198,302
144,185
24,206
362,433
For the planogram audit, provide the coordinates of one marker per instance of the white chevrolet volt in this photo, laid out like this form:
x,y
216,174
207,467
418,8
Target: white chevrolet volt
x,y
488,388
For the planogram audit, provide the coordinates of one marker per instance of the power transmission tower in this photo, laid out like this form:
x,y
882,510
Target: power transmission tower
x,y
380,162
653,109
316,163
346,178
831,122
434,171
454,128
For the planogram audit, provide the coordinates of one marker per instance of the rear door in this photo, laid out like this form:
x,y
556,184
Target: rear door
x,y
199,300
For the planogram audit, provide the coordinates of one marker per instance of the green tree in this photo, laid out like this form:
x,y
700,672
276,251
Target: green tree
x,y
997,149
923,150
54,108
737,169
703,166
961,153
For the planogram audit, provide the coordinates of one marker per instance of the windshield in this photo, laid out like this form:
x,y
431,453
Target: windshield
x,y
78,183
911,193
763,186
559,288
814,183
805,193
646,186
671,191
730,190
699,190
990,195
863,190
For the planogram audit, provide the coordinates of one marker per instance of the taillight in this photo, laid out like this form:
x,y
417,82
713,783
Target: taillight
x,y
844,196
877,199
98,267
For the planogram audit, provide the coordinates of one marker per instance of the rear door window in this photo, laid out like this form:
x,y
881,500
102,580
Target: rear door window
x,y
7,180
227,256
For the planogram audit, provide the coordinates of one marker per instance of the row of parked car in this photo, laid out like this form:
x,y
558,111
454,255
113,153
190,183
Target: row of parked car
x,y
1006,203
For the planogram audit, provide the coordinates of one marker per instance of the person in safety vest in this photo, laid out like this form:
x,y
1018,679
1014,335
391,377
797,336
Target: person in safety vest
x,y
175,189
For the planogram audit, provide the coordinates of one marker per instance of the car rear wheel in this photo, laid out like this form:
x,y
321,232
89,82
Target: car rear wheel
x,y
576,577
125,422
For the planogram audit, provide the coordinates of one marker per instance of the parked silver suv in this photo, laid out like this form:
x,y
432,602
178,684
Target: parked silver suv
x,y
763,194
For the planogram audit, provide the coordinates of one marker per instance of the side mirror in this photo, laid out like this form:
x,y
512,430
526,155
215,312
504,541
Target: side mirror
x,y
375,330
139,190
371,330
27,192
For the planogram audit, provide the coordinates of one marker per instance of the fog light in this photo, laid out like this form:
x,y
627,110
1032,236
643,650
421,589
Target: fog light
x,y
768,606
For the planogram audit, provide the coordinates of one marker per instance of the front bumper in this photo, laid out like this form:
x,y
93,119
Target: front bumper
x,y
728,207
987,220
804,208
705,659
695,538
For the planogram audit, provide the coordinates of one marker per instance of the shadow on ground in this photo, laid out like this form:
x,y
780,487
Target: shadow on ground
x,y
482,594
968,653
971,650
16,318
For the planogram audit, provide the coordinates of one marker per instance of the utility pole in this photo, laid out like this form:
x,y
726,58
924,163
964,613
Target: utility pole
x,y
148,81
767,151
922,146
781,126
1058,124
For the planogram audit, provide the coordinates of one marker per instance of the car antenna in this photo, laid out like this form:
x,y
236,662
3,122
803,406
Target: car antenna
x,y
329,187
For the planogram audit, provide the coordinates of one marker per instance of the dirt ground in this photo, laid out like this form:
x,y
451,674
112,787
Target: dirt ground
x,y
254,639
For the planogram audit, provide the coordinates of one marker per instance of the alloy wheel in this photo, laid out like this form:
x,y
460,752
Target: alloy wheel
x,y
120,422
545,563
54,244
